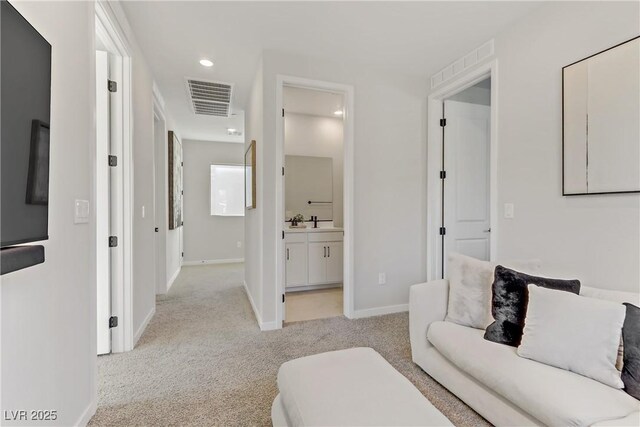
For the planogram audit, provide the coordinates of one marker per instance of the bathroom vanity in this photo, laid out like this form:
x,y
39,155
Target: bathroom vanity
x,y
313,258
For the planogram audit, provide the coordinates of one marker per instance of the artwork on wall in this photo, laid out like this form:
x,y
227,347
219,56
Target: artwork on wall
x,y
38,176
175,181
601,122
250,176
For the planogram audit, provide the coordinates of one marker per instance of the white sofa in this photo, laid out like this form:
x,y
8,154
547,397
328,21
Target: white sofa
x,y
504,388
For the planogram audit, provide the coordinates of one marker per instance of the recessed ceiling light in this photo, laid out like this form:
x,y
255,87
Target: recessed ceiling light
x,y
338,112
206,63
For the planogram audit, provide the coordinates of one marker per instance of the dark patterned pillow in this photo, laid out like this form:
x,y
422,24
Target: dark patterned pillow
x,y
631,339
509,302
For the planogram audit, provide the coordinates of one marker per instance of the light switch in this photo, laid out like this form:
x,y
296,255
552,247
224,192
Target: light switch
x,y
508,210
81,212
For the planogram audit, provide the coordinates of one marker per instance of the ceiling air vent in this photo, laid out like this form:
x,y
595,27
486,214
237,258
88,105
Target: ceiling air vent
x,y
210,98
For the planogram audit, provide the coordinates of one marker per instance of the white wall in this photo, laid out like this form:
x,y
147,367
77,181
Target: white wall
x,y
49,310
207,237
593,238
317,136
390,179
253,219
473,95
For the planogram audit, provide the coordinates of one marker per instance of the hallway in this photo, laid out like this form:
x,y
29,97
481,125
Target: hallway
x,y
204,361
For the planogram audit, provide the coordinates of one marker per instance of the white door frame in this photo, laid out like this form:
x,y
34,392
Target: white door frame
x,y
348,187
434,161
111,35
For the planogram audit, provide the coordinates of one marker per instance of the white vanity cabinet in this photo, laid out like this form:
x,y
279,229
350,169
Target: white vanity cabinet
x,y
313,258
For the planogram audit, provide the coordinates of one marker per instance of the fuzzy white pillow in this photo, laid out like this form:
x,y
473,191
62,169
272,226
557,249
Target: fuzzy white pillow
x,y
574,333
470,281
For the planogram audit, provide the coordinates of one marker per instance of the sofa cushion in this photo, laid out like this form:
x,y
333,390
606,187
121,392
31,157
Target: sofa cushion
x,y
575,333
509,302
470,282
551,395
354,387
631,338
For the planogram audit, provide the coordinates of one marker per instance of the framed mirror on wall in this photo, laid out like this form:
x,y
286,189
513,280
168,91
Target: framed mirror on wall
x,y
250,176
601,122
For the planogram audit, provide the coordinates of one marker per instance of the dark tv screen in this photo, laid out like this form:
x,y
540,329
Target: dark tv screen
x,y
25,88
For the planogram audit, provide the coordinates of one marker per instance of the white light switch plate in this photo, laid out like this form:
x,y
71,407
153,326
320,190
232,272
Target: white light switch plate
x,y
81,212
509,210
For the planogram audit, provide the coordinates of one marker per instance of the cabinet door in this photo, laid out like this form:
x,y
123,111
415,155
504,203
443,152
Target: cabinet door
x,y
296,259
334,262
317,263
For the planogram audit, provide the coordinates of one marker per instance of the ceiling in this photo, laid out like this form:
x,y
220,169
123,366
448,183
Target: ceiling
x,y
312,102
413,38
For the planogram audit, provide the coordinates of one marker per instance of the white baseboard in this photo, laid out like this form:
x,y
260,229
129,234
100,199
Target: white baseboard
x,y
172,279
379,311
214,261
87,414
264,326
144,325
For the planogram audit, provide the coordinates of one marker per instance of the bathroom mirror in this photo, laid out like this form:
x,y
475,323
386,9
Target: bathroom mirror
x,y
601,122
309,187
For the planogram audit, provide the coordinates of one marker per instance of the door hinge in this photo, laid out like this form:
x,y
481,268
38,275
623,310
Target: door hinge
x,y
443,174
112,86
283,234
113,241
113,321
283,112
443,231
283,298
113,160
443,122
182,254
283,171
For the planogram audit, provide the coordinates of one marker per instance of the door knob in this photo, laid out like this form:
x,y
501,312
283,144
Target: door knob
x,y
487,231
157,229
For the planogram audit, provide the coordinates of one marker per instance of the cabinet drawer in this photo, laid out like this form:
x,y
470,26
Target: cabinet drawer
x,y
295,237
331,236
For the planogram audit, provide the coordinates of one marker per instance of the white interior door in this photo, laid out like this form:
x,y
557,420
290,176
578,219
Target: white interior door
x,y
102,204
466,186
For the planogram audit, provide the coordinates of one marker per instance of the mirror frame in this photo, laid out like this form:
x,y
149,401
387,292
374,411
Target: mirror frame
x,y
564,193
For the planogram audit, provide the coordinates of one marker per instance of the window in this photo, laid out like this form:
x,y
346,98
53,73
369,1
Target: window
x,y
227,190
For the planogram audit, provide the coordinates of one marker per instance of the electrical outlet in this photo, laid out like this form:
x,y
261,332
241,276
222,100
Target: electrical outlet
x,y
239,244
509,210
382,278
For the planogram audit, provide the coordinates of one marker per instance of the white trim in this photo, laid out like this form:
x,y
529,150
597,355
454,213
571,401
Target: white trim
x,y
109,30
264,326
144,325
348,188
173,278
158,99
379,311
213,261
162,224
88,413
462,64
434,158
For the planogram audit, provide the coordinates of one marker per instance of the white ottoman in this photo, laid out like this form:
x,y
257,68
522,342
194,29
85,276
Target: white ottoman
x,y
354,387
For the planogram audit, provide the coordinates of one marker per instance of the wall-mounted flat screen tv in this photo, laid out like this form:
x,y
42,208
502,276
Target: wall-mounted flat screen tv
x,y
25,90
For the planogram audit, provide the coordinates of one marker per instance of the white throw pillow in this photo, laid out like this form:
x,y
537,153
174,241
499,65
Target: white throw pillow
x,y
575,333
470,281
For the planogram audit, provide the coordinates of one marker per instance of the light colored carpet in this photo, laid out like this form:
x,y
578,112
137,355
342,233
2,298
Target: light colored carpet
x,y
312,305
203,360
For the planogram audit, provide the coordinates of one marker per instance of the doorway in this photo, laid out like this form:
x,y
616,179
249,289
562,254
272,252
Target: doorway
x,y
462,169
112,186
465,179
320,257
313,198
